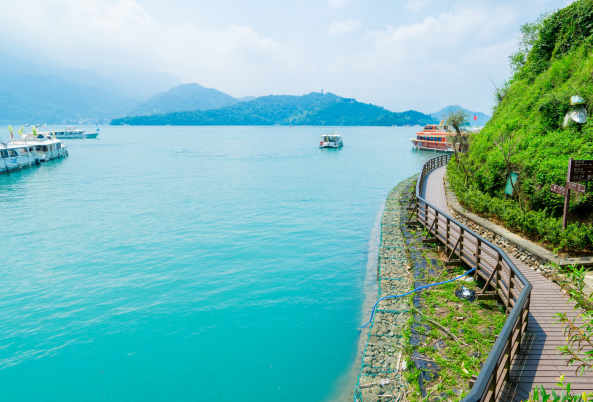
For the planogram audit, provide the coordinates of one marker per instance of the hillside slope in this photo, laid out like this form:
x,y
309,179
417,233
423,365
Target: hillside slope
x,y
184,98
32,98
34,91
311,109
558,66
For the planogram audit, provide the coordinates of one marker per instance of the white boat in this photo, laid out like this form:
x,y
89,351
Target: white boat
x,y
15,156
331,140
46,146
73,133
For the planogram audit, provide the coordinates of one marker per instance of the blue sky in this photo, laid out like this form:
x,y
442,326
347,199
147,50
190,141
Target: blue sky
x,y
411,54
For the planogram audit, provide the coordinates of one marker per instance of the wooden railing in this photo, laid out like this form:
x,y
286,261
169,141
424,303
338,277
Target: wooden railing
x,y
502,281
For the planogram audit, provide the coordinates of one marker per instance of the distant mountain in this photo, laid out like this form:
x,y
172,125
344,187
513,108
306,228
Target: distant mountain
x,y
311,109
184,98
143,83
246,98
482,118
38,92
11,66
32,98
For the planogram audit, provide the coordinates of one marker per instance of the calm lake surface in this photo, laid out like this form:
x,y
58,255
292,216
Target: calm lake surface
x,y
192,263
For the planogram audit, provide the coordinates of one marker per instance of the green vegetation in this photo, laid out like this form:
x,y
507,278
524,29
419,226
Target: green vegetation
x,y
554,62
311,109
455,334
184,97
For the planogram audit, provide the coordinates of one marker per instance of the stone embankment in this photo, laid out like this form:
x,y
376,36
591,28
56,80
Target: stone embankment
x,y
381,376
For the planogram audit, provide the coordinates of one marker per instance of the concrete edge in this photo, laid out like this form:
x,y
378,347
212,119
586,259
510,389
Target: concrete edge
x,y
518,241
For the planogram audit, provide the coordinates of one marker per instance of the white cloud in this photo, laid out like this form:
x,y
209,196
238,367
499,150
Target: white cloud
x,y
417,5
440,56
341,27
125,31
338,3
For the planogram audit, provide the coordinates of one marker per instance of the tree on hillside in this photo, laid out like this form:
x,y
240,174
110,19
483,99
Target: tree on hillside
x,y
528,35
460,140
507,144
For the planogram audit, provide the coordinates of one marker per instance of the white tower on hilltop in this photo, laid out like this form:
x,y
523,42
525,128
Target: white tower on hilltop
x,y
322,92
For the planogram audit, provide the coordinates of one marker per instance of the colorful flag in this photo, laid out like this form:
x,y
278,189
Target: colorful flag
x,y
22,130
34,131
10,129
475,117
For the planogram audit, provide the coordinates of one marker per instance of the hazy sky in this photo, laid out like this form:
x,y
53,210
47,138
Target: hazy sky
x,y
416,54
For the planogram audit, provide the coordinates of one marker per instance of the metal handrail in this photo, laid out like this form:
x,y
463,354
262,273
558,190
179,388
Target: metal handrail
x,y
497,366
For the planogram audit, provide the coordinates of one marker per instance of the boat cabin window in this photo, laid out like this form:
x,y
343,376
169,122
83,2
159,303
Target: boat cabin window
x,y
41,148
31,149
12,152
23,151
4,154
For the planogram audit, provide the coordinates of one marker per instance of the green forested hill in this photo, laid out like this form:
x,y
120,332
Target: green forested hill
x,y
555,62
184,97
311,109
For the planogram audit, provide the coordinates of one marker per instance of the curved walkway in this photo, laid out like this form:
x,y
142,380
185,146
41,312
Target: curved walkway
x,y
539,361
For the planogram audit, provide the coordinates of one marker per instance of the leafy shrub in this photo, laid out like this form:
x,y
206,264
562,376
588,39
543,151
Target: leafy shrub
x,y
539,224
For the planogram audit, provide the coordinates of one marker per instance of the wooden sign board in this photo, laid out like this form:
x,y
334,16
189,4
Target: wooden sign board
x,y
558,189
580,170
575,187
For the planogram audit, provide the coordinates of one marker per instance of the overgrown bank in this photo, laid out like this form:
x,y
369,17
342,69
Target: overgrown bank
x,y
426,345
526,134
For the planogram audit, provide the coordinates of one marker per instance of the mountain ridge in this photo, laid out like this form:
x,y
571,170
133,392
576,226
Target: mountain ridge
x,y
183,98
309,109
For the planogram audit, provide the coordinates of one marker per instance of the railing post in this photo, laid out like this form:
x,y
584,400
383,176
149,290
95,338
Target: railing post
x,y
461,231
498,268
520,330
509,287
447,228
436,224
525,317
507,365
478,250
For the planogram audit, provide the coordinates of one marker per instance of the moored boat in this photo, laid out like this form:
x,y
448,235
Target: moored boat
x,y
331,140
46,146
14,156
434,137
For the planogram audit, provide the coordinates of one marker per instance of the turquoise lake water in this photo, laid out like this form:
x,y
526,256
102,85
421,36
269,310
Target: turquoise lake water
x,y
192,263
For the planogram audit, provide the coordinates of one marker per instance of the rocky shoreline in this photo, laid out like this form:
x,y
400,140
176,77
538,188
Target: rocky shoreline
x,y
381,375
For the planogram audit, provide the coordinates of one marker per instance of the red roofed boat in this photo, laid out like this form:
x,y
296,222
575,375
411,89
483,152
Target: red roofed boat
x,y
434,138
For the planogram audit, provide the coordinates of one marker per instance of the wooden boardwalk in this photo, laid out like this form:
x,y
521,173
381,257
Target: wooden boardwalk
x,y
538,361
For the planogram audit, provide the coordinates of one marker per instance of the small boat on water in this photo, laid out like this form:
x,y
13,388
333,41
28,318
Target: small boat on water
x,y
434,137
331,140
46,146
73,133
14,156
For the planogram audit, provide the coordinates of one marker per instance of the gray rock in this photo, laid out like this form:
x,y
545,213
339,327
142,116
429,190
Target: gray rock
x,y
539,271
